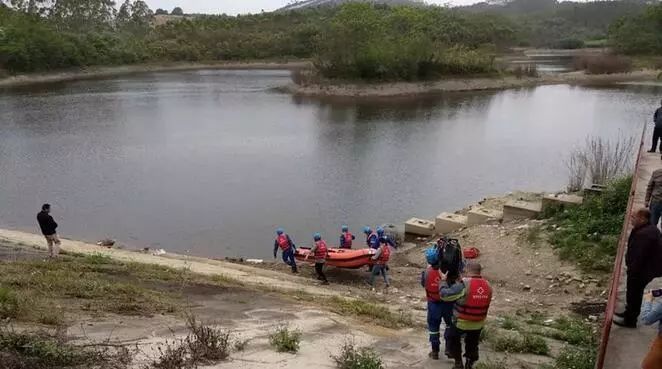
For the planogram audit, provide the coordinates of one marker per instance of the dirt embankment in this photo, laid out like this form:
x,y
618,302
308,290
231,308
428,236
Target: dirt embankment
x,y
532,287
332,89
105,72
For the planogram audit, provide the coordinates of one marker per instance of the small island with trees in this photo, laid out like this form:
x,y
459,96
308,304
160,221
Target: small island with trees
x,y
342,43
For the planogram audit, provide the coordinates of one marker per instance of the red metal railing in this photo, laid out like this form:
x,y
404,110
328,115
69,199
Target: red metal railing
x,y
618,265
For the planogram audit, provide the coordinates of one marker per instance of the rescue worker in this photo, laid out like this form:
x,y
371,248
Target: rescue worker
x,y
384,237
319,252
371,238
346,238
431,279
473,296
380,264
285,244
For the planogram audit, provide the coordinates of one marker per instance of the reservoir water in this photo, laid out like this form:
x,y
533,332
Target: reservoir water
x,y
211,162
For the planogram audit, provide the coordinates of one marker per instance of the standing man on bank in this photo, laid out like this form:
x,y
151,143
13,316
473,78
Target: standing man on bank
x,y
644,263
654,196
657,131
49,230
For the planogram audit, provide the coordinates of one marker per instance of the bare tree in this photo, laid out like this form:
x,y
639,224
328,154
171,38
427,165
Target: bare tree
x,y
577,169
602,159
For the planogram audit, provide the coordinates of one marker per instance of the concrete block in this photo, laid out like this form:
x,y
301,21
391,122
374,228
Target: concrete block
x,y
418,226
448,222
561,200
481,215
515,209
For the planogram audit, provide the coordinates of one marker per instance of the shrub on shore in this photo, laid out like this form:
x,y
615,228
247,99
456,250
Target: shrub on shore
x,y
525,343
284,339
352,357
26,350
603,64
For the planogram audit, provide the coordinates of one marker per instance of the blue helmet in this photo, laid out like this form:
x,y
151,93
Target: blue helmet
x,y
345,228
280,231
367,230
317,236
432,256
380,231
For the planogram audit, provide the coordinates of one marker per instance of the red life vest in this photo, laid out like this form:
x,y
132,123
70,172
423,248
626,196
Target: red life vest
x,y
474,305
283,242
432,279
386,254
348,240
321,250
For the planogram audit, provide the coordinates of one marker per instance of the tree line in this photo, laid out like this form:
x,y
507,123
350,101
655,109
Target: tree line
x,y
355,40
639,33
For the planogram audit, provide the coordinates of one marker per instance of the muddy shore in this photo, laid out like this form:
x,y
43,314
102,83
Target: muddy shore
x,y
535,293
341,89
396,89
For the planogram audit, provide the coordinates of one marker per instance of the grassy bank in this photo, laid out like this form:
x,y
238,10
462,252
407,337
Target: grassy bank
x,y
51,292
589,234
526,333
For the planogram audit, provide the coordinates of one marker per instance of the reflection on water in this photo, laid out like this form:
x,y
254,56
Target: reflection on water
x,y
555,61
212,161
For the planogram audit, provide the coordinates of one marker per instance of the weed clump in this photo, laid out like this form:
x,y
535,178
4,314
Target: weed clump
x,y
26,350
203,345
207,344
489,364
172,356
509,323
10,304
380,314
526,343
284,339
573,357
351,357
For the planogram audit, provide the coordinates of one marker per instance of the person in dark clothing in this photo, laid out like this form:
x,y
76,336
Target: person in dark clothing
x,y
450,256
653,198
49,230
657,131
644,263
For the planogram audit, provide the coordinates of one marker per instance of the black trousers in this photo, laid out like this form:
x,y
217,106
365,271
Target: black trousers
x,y
657,135
633,297
471,341
319,268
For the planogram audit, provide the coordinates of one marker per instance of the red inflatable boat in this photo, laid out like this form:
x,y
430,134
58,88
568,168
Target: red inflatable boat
x,y
340,258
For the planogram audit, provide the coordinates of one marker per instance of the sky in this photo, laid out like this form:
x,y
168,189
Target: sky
x,y
244,6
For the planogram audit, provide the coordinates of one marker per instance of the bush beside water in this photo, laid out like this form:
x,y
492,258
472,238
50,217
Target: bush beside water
x,y
589,234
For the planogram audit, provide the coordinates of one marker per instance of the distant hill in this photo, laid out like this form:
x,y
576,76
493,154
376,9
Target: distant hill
x,y
317,3
526,7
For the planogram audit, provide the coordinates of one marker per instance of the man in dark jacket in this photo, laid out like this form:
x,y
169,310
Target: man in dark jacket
x,y
644,263
48,229
657,131
654,196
